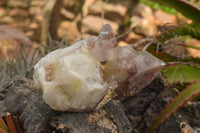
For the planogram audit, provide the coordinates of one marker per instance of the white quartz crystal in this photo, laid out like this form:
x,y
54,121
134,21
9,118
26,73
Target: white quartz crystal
x,y
85,76
70,80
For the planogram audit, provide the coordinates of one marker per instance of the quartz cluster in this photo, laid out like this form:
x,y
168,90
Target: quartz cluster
x,y
88,74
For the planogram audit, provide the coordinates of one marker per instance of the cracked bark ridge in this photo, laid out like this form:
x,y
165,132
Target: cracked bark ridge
x,y
109,119
142,108
24,101
146,105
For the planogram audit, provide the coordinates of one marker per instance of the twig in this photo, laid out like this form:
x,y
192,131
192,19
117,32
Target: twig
x,y
22,55
102,14
147,45
2,131
51,14
126,33
63,39
170,64
16,122
151,40
3,123
10,123
102,11
181,70
175,71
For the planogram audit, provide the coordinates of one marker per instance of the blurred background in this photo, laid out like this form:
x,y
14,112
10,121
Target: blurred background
x,y
31,21
168,29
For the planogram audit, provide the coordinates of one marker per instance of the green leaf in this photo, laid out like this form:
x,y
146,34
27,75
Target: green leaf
x,y
2,126
187,9
175,104
168,58
190,46
159,6
171,32
183,73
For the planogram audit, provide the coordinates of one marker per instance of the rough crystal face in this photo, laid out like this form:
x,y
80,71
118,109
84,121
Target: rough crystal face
x,y
88,74
70,80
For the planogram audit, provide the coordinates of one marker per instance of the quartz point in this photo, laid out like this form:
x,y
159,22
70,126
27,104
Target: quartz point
x,y
86,75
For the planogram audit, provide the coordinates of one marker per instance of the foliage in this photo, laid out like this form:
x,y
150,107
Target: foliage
x,y
182,73
185,70
187,9
159,6
3,127
14,68
22,66
175,104
168,32
12,125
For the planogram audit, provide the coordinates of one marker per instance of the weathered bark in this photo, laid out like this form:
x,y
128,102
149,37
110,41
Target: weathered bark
x,y
133,114
23,100
51,20
143,108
